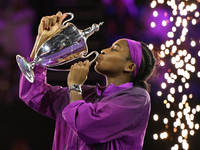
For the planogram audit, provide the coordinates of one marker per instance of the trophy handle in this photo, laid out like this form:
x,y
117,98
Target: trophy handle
x,y
80,56
95,52
26,68
72,17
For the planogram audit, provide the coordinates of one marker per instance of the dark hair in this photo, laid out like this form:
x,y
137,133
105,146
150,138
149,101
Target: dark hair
x,y
146,68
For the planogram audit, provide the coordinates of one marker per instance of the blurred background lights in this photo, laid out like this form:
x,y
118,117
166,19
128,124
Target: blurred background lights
x,y
196,14
193,61
162,63
164,23
155,13
178,41
174,29
163,135
166,51
172,90
165,121
184,52
183,79
155,136
170,34
172,114
175,125
168,105
153,24
163,85
179,114
153,4
193,43
162,47
182,126
187,85
159,93
194,21
161,1
184,23
162,54
180,105
194,111
192,132
198,108
180,88
171,19
150,46
179,48
192,117
197,126
165,101
180,139
155,117
185,145
184,133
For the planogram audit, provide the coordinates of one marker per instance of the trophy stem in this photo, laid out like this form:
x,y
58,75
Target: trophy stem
x,y
26,68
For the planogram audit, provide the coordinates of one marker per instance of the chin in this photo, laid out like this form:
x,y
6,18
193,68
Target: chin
x,y
98,69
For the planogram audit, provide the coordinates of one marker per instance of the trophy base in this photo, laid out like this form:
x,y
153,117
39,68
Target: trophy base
x,y
25,68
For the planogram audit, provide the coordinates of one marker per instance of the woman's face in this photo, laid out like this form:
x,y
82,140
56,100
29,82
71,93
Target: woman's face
x,y
113,61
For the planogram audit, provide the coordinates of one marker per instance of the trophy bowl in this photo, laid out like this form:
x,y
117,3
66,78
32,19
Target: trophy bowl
x,y
67,44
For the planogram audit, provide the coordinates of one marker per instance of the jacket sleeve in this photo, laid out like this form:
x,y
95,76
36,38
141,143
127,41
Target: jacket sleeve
x,y
109,119
42,97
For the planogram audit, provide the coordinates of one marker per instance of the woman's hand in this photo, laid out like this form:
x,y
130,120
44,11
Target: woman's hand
x,y
78,73
50,24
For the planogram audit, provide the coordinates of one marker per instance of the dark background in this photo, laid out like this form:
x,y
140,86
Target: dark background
x,y
21,128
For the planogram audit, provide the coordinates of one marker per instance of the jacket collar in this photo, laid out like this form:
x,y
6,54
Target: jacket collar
x,y
110,89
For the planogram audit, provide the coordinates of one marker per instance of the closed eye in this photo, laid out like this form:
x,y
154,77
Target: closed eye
x,y
113,49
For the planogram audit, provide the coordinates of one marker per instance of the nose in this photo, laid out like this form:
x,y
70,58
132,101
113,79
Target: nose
x,y
103,51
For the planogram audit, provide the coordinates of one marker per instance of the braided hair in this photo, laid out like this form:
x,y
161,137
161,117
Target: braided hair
x,y
146,68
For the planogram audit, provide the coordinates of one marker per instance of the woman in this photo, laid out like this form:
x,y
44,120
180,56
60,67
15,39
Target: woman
x,y
113,117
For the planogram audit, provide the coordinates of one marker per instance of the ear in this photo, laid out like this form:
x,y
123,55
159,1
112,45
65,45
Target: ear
x,y
130,67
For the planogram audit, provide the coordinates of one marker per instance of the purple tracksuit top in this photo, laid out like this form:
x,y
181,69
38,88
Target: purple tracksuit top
x,y
116,116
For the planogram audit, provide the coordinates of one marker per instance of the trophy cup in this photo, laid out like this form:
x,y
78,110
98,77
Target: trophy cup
x,y
67,44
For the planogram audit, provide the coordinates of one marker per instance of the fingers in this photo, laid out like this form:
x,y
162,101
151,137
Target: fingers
x,y
61,17
59,14
86,64
48,21
53,20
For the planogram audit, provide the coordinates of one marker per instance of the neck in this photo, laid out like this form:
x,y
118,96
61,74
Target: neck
x,y
117,80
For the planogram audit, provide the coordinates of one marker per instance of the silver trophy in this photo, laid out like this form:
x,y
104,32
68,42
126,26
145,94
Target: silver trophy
x,y
67,44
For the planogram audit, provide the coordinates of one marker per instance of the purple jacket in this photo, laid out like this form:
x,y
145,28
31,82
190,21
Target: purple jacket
x,y
118,117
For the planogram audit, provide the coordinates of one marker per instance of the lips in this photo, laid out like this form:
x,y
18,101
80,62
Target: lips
x,y
98,58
